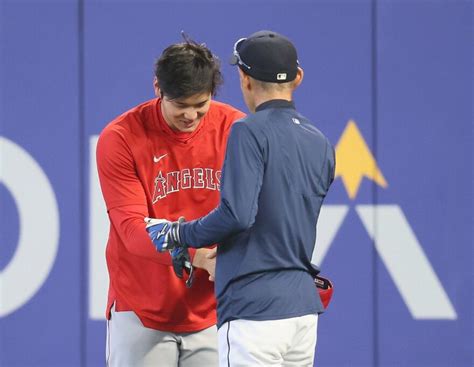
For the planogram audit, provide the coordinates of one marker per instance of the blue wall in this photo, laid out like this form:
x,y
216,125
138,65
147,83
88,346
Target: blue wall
x,y
390,82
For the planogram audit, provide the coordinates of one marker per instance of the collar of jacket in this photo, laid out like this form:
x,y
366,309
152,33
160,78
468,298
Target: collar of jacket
x,y
275,103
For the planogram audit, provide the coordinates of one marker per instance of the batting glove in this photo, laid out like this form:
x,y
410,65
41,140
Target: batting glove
x,y
165,236
182,260
163,233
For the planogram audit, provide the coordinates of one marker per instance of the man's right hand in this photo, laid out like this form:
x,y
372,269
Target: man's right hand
x,y
163,233
165,236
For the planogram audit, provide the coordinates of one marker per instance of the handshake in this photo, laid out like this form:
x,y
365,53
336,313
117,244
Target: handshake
x,y
165,236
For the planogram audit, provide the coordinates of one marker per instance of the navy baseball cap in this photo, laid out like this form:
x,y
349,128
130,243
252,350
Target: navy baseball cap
x,y
266,56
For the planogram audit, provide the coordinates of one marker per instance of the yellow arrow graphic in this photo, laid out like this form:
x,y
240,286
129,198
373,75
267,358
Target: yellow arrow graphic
x,y
354,160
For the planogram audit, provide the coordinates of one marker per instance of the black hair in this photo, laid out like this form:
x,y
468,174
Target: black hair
x,y
188,68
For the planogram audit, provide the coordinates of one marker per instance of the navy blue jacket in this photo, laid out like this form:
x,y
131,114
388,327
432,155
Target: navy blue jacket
x,y
277,172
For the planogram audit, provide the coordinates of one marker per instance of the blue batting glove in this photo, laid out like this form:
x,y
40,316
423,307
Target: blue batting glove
x,y
182,261
165,236
159,232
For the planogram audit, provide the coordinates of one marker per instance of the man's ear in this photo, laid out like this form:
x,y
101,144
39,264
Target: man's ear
x,y
299,78
156,87
245,81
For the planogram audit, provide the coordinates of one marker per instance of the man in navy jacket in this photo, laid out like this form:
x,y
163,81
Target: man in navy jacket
x,y
277,172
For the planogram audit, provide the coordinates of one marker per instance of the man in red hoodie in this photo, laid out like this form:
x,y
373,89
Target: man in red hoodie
x,y
163,159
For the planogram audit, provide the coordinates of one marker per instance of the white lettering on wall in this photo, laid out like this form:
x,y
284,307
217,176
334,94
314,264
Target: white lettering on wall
x,y
38,239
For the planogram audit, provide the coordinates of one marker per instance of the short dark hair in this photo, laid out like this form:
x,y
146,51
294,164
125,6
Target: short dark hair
x,y
186,69
270,87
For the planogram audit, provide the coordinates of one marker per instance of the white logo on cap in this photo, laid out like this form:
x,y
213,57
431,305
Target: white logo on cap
x,y
281,76
296,121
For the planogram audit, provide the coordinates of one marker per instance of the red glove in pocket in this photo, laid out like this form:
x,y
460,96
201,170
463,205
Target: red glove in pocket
x,y
325,290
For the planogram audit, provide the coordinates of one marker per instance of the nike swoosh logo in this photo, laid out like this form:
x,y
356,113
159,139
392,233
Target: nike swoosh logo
x,y
157,159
